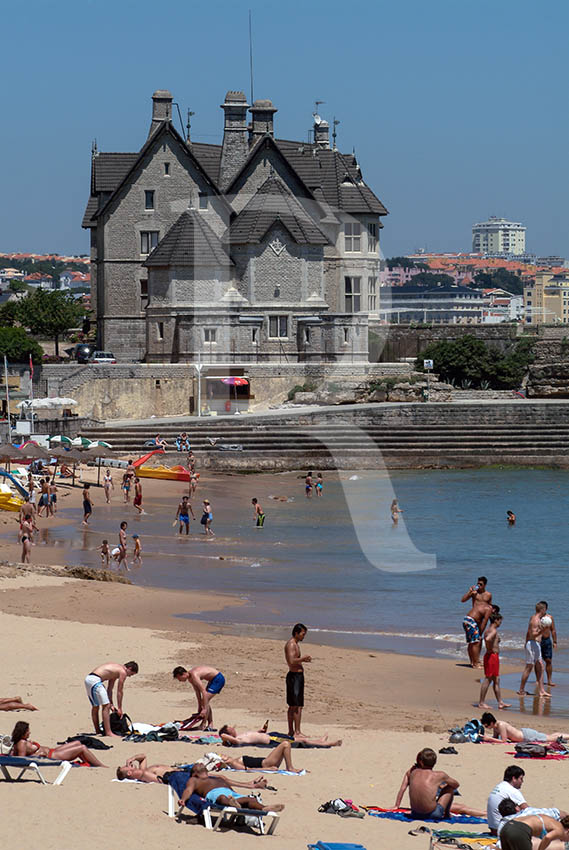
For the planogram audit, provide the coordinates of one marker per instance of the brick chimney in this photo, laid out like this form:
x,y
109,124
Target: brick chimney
x,y
161,109
321,133
235,147
262,113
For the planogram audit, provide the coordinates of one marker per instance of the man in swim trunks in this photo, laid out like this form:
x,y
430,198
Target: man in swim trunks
x,y
258,514
475,621
492,663
431,792
533,652
206,682
295,679
183,514
137,501
273,761
262,738
308,485
502,731
221,792
87,504
99,695
136,767
548,643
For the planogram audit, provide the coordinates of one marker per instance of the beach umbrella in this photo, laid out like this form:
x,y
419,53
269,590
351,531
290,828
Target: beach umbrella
x,y
96,452
60,440
46,403
30,449
235,381
101,443
9,452
81,443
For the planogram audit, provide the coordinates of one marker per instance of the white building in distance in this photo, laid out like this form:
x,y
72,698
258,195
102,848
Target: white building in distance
x,y
499,236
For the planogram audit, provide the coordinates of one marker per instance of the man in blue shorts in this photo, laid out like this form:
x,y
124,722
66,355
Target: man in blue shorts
x,y
183,514
475,621
206,682
221,792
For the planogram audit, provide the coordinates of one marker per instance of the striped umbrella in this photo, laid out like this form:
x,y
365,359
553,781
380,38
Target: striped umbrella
x,y
60,440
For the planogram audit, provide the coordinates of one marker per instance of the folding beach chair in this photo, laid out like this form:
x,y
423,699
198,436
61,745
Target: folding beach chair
x,y
34,765
216,816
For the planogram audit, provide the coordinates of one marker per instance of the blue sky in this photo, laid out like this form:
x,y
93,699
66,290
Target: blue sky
x,y
457,110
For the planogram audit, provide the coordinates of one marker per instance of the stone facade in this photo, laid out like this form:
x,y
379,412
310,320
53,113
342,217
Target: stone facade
x,y
253,251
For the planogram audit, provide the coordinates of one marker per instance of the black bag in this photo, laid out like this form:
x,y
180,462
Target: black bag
x,y
535,750
89,741
120,725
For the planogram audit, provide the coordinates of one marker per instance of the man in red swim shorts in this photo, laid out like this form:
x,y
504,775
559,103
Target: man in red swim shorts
x,y
492,663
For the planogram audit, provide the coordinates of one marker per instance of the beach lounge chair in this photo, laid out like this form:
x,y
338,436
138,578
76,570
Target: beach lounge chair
x,y
25,764
216,816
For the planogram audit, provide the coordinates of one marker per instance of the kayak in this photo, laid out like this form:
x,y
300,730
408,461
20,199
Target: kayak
x,y
173,473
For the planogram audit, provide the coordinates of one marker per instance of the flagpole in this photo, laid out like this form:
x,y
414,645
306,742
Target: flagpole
x,y
7,399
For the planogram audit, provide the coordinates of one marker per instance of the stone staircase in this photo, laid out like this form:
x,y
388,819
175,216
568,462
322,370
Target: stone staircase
x,y
304,442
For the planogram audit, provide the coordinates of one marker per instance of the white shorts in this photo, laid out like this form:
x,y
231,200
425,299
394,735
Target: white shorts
x,y
96,691
533,652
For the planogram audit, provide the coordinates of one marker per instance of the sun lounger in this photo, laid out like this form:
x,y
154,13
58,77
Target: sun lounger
x,y
216,816
25,764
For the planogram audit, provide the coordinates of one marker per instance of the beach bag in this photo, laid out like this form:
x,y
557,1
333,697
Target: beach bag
x,y
533,750
120,725
341,807
473,730
89,741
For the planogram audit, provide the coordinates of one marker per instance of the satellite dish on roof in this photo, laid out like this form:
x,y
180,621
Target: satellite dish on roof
x,y
317,118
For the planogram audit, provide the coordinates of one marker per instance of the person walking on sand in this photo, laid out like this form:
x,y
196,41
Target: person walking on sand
x,y
308,485
137,554
137,501
395,511
548,642
295,679
206,682
108,485
99,686
258,514
26,549
533,652
122,545
207,518
52,498
475,621
126,481
87,504
492,663
183,515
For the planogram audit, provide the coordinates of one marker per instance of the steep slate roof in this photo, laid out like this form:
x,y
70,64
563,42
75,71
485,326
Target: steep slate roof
x,y
189,242
274,202
209,157
107,171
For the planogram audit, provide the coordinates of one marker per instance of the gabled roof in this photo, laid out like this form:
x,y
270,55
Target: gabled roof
x,y
189,242
265,142
274,203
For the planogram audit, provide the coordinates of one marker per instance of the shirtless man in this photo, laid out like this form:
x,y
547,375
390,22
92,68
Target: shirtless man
x,y
220,791
44,497
502,731
231,738
183,514
548,644
136,767
492,663
533,652
295,679
431,792
206,682
99,695
271,762
475,621
137,501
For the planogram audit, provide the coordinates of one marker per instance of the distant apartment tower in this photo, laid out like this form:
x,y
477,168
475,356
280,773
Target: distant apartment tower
x,y
498,236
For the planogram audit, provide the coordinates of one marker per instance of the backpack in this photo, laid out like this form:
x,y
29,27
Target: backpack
x,y
120,725
340,807
534,750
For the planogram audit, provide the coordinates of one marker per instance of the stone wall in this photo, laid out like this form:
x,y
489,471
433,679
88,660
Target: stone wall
x,y
393,342
548,380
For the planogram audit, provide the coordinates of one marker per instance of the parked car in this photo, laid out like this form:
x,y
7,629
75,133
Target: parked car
x,y
102,357
81,352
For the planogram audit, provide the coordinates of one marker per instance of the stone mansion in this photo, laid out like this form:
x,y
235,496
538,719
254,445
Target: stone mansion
x,y
257,250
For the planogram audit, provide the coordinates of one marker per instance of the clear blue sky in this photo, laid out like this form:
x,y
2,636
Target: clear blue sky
x,y
457,110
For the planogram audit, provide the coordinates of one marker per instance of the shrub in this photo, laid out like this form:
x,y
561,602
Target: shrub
x,y
300,388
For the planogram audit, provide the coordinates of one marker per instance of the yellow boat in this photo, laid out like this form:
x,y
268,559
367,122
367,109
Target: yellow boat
x,y
172,473
8,501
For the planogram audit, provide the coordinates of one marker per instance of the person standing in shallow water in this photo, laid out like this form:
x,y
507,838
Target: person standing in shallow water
x,y
395,511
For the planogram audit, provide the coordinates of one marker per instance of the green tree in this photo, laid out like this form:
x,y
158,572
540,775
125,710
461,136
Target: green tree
x,y
470,359
431,280
17,346
50,313
18,286
500,279
405,263
8,314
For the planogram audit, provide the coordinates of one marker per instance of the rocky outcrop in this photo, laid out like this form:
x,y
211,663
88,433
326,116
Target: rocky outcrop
x,y
548,380
400,388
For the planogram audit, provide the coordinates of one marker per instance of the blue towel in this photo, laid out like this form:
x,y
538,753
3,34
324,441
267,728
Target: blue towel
x,y
333,845
404,817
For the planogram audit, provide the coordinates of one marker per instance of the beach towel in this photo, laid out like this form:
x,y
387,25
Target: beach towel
x,y
264,770
334,845
548,757
405,815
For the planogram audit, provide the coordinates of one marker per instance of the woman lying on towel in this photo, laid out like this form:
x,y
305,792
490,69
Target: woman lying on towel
x,y
22,746
15,704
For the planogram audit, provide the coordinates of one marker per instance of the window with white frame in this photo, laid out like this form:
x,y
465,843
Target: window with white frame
x,y
352,292
149,199
148,241
352,237
203,200
372,238
278,326
371,294
210,334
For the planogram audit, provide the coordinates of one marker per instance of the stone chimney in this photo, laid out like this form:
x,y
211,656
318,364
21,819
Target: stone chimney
x,y
321,133
235,149
262,123
161,109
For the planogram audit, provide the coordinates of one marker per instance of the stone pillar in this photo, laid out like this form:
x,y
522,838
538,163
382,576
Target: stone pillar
x,y
262,113
235,149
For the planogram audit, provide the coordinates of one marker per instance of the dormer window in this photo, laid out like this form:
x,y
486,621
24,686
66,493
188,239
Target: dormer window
x,y
149,199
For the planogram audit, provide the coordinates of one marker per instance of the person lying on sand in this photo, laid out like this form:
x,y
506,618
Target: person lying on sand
x,y
22,746
15,704
220,791
136,767
272,762
502,731
232,738
516,830
431,792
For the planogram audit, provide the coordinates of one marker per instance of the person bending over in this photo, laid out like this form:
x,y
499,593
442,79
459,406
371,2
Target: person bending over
x,y
22,746
431,792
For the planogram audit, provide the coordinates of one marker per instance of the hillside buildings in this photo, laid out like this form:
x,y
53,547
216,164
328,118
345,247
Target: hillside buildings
x,y
254,250
499,236
546,301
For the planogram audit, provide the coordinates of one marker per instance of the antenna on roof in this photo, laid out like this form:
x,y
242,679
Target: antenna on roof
x,y
188,125
318,103
94,149
251,55
335,123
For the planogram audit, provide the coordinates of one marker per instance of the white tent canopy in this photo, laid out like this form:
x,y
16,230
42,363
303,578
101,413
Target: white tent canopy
x,y
47,403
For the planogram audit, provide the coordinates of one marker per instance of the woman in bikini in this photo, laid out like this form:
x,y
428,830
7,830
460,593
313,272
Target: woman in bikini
x,y
108,485
22,746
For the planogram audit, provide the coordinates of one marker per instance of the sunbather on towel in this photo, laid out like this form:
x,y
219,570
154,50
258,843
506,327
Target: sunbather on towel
x,y
431,792
221,792
232,738
136,767
15,704
272,762
502,731
22,746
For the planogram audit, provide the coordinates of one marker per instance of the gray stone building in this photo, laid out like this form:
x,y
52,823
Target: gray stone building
x,y
255,250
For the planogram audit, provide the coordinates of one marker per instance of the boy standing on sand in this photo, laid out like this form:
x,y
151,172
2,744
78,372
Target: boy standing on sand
x,y
475,621
431,792
99,695
87,504
295,679
533,652
206,682
492,663
548,643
